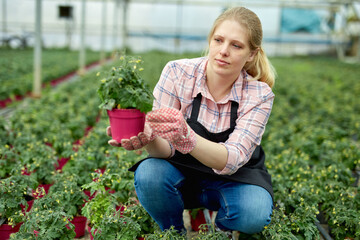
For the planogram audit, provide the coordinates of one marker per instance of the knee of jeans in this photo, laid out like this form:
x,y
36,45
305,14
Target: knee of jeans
x,y
247,220
256,224
153,175
146,172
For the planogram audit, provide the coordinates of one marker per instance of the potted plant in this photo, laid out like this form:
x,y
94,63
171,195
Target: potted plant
x,y
129,222
126,97
8,160
101,205
46,220
135,211
115,225
208,232
197,218
71,198
39,161
117,179
165,235
82,163
5,136
13,192
115,213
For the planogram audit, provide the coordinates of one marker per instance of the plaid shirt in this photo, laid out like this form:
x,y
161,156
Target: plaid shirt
x,y
182,80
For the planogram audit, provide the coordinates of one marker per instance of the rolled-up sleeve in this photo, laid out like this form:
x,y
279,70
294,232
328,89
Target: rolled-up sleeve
x,y
250,126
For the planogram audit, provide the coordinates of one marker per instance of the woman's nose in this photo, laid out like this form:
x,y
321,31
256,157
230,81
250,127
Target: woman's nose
x,y
224,51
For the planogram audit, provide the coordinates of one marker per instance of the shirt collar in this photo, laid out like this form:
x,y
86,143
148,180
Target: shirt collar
x,y
201,87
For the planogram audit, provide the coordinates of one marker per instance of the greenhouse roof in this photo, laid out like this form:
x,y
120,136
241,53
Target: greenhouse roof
x,y
233,2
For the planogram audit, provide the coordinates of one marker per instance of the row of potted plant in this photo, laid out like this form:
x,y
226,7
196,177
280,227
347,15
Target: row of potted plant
x,y
33,142
16,70
55,198
313,148
55,215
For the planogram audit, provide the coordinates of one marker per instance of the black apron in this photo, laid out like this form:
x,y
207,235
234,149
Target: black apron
x,y
253,172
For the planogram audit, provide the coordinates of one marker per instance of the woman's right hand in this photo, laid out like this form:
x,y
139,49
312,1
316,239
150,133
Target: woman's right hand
x,y
112,142
135,142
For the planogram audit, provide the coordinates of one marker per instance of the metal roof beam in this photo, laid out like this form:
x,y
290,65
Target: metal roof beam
x,y
236,2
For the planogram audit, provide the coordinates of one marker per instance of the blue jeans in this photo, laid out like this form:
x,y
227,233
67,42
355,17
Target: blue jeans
x,y
165,192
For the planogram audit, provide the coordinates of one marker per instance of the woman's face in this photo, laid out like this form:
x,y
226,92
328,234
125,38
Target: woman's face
x,y
229,50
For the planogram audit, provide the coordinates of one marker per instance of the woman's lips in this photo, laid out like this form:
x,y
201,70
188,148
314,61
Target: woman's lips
x,y
221,62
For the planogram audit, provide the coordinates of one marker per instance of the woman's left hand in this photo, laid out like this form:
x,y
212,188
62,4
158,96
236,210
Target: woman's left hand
x,y
169,123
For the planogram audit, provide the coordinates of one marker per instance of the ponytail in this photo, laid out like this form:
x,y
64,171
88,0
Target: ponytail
x,y
261,68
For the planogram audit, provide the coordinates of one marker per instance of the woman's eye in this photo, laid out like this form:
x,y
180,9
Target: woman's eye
x,y
236,46
217,40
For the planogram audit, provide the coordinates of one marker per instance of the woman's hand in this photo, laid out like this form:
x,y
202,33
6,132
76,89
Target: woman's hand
x,y
169,123
135,142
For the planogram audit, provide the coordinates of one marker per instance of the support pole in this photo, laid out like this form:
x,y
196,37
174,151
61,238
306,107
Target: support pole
x,y
115,26
357,38
124,27
82,55
37,52
4,27
358,50
178,25
103,32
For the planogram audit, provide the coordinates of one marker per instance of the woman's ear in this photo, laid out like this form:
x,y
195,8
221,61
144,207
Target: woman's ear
x,y
253,54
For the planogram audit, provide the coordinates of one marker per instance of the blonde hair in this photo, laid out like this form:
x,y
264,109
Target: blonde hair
x,y
260,68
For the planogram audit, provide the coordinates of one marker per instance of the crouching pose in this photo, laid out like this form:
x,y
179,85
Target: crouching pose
x,y
203,135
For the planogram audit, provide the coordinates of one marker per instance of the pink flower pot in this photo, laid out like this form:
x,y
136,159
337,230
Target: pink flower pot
x,y
199,219
88,193
56,81
18,97
61,163
25,172
30,203
80,224
5,102
110,190
40,195
126,123
6,230
90,233
88,129
120,208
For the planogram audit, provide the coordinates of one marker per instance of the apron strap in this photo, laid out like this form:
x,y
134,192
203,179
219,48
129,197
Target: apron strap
x,y
234,108
196,109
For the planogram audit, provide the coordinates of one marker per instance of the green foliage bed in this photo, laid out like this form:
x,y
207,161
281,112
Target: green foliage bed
x,y
16,68
313,149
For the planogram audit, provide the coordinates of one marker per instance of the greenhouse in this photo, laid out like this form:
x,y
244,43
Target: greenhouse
x,y
67,166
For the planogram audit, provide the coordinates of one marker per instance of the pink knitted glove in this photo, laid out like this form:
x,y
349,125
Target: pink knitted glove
x,y
169,123
135,142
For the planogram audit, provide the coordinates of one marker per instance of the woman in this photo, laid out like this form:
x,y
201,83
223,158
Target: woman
x,y
203,135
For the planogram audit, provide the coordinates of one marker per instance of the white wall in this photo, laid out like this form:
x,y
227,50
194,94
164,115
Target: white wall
x,y
159,19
